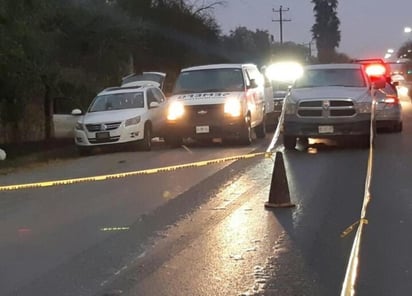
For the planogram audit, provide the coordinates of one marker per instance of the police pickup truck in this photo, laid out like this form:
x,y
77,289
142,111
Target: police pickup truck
x,y
330,101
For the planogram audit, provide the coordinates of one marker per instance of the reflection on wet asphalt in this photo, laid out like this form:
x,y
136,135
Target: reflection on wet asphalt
x,y
216,237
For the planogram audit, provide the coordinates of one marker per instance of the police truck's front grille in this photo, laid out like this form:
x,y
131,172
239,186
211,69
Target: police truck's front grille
x,y
326,108
342,112
311,104
310,113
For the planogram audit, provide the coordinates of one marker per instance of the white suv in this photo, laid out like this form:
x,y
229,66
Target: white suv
x,y
217,101
122,115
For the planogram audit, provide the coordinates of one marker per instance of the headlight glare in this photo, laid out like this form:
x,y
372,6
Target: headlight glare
x,y
176,110
233,107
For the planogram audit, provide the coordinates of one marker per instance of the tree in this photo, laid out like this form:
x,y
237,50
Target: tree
x,y
326,29
243,46
405,51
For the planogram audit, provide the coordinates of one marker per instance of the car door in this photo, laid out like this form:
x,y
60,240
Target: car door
x,y
63,121
157,114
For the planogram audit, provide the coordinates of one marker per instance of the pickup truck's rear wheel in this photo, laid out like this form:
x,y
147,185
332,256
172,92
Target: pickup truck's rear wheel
x,y
260,130
245,137
289,142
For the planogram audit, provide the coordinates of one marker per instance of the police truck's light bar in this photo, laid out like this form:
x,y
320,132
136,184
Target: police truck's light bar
x,y
375,70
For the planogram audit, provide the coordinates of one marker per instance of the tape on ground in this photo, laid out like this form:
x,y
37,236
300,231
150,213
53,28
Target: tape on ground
x,y
130,174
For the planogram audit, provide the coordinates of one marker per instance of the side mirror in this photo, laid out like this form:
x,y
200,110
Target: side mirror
x,y
252,84
77,112
154,105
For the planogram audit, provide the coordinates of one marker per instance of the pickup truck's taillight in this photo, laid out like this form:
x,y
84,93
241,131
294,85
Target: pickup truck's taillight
x,y
391,100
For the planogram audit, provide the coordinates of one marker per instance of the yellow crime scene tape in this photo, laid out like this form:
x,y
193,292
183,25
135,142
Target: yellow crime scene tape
x,y
132,173
351,275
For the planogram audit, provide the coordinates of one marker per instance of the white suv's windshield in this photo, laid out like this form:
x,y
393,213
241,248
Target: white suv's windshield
x,y
210,80
331,77
117,102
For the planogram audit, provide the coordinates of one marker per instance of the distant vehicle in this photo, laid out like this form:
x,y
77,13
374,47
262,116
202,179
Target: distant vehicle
x,y
329,101
389,109
280,91
122,115
222,101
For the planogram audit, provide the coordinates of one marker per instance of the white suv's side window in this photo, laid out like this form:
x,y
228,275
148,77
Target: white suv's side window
x,y
150,97
158,95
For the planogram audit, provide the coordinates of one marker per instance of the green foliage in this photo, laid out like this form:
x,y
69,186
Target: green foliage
x,y
326,29
245,46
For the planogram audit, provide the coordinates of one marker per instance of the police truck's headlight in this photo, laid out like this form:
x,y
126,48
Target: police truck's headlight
x,y
233,107
132,121
290,107
176,110
365,107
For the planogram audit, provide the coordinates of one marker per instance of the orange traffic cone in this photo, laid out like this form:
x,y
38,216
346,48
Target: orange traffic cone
x,y
279,196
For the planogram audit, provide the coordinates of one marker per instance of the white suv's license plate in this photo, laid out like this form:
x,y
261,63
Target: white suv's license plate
x,y
202,129
325,129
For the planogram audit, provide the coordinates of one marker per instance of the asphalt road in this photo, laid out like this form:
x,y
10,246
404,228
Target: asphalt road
x,y
204,231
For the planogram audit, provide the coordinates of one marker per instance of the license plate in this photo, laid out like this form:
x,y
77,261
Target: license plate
x,y
203,129
102,135
325,129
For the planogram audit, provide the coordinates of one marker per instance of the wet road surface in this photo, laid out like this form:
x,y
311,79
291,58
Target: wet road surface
x,y
205,231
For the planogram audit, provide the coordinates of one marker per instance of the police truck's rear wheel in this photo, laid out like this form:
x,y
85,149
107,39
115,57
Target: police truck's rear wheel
x,y
289,142
260,130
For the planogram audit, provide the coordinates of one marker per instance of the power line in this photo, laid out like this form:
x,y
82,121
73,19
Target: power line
x,y
281,20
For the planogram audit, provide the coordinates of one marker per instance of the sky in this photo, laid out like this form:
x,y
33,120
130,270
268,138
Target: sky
x,y
368,27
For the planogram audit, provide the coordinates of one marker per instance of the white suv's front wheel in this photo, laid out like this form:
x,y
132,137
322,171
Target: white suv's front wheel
x,y
146,143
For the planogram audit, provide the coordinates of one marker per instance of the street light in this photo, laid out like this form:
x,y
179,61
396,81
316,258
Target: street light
x,y
390,50
407,29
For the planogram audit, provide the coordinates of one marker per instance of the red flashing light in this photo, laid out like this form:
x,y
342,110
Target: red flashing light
x,y
375,70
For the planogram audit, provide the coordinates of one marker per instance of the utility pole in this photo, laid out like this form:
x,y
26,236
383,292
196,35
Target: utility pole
x,y
281,20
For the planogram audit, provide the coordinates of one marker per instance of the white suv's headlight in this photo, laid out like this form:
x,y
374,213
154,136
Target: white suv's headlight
x,y
365,107
79,126
233,107
176,111
132,121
